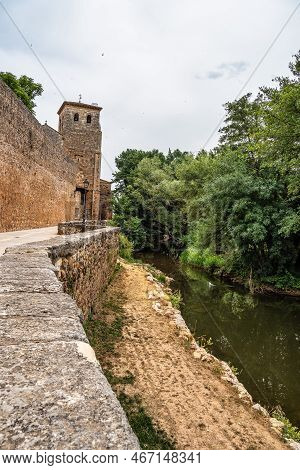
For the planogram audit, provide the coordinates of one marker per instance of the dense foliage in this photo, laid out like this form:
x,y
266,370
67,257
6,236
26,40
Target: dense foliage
x,y
24,87
235,208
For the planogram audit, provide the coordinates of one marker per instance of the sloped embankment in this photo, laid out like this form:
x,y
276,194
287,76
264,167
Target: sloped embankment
x,y
190,395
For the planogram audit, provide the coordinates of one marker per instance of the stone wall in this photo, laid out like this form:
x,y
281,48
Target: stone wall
x,y
86,269
82,142
37,179
77,226
53,393
105,200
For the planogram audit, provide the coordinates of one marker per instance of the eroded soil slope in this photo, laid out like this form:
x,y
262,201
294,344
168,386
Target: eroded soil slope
x,y
184,395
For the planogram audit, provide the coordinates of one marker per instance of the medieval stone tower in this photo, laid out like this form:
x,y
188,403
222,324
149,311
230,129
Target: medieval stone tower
x,y
79,124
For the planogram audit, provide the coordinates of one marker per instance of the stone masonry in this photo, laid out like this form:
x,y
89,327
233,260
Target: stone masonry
x,y
37,177
85,270
53,394
42,171
105,200
79,124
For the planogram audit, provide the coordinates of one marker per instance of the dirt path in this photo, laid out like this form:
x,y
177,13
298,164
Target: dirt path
x,y
185,396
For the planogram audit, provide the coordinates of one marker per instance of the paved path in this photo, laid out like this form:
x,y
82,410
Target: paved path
x,y
9,239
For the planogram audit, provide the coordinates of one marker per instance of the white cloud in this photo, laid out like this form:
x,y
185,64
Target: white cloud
x,y
154,51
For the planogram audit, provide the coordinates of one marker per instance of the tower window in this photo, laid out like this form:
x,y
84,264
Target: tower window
x,y
89,119
76,117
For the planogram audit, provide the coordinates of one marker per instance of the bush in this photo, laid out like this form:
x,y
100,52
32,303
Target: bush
x,y
283,281
205,259
192,256
289,431
126,248
211,260
176,298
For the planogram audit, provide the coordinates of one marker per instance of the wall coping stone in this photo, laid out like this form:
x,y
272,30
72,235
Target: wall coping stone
x,y
53,392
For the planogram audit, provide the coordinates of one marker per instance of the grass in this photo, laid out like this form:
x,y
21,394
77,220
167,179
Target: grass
x,y
158,275
212,262
217,370
150,437
104,327
103,336
117,380
289,431
176,298
69,285
234,369
204,342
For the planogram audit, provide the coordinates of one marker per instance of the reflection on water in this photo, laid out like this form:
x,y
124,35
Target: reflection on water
x,y
259,335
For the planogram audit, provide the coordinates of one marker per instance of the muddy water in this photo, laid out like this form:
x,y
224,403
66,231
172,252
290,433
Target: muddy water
x,y
259,335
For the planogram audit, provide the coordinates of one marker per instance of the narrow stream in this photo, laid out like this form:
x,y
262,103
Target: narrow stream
x,y
259,335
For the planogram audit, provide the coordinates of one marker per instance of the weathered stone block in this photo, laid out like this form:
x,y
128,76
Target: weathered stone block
x,y
16,330
54,397
38,305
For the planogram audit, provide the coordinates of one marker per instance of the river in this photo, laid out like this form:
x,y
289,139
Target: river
x,y
259,335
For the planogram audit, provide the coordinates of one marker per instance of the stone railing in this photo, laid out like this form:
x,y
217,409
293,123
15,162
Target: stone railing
x,y
77,226
53,392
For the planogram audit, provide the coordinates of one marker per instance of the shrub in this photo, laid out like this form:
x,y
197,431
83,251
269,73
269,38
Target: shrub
x,y
211,260
126,248
192,256
176,299
283,281
289,431
205,259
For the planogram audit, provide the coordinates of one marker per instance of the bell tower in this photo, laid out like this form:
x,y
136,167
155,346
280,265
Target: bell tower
x,y
79,125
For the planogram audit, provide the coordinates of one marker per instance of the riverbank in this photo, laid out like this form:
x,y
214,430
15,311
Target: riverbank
x,y
162,377
255,286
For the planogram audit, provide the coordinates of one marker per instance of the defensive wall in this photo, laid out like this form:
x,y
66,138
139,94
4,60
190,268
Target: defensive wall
x,y
53,393
37,178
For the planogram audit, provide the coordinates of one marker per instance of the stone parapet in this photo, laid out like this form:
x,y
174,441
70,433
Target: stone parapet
x,y
53,392
77,226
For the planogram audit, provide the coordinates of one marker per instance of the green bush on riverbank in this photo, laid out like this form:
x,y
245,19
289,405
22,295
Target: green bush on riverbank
x,y
204,259
217,264
289,431
284,281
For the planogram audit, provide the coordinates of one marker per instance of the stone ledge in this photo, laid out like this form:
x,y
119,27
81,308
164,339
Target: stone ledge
x,y
62,245
54,397
53,393
38,305
77,226
27,329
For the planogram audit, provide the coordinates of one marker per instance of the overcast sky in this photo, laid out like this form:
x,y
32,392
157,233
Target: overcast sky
x,y
168,65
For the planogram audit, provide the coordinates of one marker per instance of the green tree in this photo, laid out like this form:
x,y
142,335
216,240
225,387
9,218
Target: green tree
x,y
242,126
24,87
281,131
147,205
235,208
